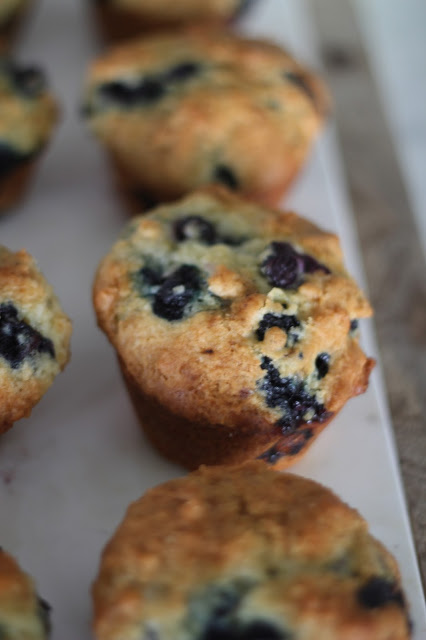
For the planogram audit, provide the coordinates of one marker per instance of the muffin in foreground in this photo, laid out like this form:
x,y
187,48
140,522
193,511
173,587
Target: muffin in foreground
x,y
246,553
28,114
23,615
128,18
11,14
176,112
34,336
235,328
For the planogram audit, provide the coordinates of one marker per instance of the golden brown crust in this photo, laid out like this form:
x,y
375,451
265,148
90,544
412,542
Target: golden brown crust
x,y
218,366
278,548
20,609
248,116
25,288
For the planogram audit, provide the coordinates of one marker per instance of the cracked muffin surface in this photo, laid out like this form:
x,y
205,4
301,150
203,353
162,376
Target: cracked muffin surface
x,y
34,336
246,553
235,327
23,614
178,111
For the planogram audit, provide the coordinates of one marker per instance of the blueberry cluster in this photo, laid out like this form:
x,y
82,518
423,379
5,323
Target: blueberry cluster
x,y
290,395
282,321
285,267
199,229
28,82
148,89
18,340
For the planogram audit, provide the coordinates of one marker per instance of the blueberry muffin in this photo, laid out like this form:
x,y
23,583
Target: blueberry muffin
x,y
28,114
179,111
23,614
246,553
34,336
11,14
235,327
127,18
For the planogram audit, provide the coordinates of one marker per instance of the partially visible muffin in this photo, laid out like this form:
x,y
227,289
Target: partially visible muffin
x,y
178,111
246,554
34,336
127,18
235,327
11,14
28,114
23,614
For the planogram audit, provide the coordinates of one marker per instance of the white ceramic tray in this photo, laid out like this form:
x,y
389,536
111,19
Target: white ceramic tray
x,y
69,471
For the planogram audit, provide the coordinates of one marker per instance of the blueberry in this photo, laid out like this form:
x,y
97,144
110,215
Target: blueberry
x,y
284,266
299,80
284,322
176,292
145,92
10,160
378,592
291,396
322,364
194,228
291,445
354,325
29,82
183,71
223,629
152,276
226,176
262,630
18,340
44,610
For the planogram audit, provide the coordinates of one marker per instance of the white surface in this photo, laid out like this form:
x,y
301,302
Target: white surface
x,y
394,33
69,471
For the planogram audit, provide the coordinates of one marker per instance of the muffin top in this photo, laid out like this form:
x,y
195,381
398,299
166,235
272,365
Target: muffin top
x,y
23,615
233,314
34,336
182,110
27,111
246,552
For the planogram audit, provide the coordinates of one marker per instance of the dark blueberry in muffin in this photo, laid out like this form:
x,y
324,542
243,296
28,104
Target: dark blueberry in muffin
x,y
147,91
291,396
183,71
284,322
44,610
30,82
322,363
18,340
354,325
284,266
231,630
226,176
194,228
378,592
9,160
176,292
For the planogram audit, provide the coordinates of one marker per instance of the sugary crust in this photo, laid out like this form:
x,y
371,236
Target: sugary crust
x,y
241,112
19,604
303,555
22,284
206,368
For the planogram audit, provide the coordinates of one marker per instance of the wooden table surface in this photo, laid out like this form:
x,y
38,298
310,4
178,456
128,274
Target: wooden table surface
x,y
389,212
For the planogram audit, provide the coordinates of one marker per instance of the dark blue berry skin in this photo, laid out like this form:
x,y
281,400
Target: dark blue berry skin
x,y
354,325
18,340
379,592
44,610
223,629
291,445
285,267
322,364
148,90
10,160
168,303
28,82
284,322
290,395
226,176
195,228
